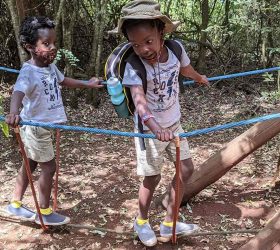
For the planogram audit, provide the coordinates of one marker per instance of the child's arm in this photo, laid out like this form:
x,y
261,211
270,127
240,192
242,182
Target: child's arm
x,y
189,71
144,112
73,83
13,118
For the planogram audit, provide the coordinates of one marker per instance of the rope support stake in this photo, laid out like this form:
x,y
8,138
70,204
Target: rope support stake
x,y
55,193
177,188
29,175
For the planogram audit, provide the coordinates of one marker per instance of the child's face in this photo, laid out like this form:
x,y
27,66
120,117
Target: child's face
x,y
45,50
146,42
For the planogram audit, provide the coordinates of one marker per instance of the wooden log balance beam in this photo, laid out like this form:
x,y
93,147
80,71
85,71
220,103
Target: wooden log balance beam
x,y
268,238
234,152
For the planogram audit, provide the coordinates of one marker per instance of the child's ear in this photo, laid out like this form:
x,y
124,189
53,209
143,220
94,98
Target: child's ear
x,y
29,47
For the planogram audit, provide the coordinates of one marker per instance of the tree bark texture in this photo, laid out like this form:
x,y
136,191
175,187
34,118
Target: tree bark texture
x,y
58,22
16,9
201,65
234,152
94,62
100,37
68,20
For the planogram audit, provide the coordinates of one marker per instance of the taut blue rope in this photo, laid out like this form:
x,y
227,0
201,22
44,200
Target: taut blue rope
x,y
215,78
130,134
247,73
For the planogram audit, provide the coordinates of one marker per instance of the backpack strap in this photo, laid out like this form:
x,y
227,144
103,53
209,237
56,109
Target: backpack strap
x,y
139,68
177,50
114,60
175,47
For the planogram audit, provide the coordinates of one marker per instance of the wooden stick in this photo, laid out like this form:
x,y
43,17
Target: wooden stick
x,y
29,175
177,188
55,193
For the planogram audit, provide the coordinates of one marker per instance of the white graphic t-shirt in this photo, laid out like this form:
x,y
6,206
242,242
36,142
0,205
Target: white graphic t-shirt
x,y
42,101
162,87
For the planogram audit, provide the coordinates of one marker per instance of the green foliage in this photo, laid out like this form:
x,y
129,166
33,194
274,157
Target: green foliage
x,y
274,51
241,32
268,77
68,55
254,26
271,97
274,96
3,126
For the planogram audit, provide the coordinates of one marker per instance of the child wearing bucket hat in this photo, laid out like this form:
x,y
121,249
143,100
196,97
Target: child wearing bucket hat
x,y
158,107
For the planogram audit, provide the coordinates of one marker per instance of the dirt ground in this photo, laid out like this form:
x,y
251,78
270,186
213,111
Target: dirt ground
x,y
98,184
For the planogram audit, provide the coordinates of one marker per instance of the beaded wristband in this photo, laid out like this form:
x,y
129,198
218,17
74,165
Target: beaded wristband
x,y
146,117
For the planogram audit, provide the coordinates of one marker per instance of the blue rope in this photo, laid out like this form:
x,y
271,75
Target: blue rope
x,y
247,73
130,134
9,70
230,125
215,78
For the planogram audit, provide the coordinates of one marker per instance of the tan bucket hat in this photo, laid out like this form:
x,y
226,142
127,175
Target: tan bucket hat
x,y
144,9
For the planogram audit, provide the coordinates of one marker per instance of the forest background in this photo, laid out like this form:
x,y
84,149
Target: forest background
x,y
221,36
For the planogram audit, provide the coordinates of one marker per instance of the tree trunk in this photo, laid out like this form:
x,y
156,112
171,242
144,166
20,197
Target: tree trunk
x,y
16,9
167,8
100,37
226,23
226,16
267,36
58,22
68,20
94,63
268,238
201,65
234,152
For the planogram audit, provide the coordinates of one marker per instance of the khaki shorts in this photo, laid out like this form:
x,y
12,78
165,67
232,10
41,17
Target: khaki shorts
x,y
150,160
37,143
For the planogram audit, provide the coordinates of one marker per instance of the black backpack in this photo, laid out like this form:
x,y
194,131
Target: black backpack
x,y
115,66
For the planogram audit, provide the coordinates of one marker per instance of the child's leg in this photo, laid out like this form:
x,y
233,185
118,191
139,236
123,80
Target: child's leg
x,y
187,168
141,224
148,165
45,183
181,227
16,208
146,192
45,186
22,180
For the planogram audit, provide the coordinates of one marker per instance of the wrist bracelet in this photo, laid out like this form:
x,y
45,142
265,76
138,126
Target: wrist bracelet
x,y
146,117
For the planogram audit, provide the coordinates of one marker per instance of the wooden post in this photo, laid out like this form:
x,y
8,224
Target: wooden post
x,y
268,238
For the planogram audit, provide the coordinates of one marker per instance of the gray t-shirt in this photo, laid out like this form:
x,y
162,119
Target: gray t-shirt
x,y
162,87
42,101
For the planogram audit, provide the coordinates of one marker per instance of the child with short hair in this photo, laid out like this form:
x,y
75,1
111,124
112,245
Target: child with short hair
x,y
144,26
37,91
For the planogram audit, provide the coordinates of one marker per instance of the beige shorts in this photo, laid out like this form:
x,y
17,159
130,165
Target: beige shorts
x,y
37,143
150,160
